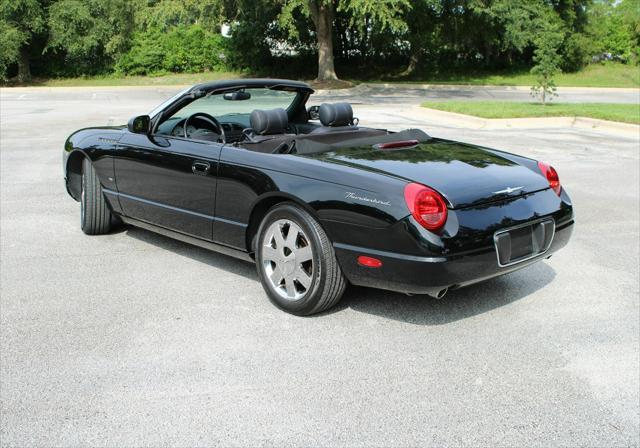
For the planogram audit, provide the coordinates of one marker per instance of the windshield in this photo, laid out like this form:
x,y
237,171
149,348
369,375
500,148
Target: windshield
x,y
219,107
161,107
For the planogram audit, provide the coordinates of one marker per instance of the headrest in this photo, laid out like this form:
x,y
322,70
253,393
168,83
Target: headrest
x,y
338,114
267,122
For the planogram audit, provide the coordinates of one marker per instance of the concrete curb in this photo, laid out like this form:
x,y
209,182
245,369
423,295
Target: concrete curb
x,y
5,90
468,121
420,86
417,86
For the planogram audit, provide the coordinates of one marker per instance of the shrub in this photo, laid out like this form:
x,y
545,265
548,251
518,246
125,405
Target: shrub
x,y
577,50
547,62
181,49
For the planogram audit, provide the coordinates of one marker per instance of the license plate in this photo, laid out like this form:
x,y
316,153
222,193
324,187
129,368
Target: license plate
x,y
523,242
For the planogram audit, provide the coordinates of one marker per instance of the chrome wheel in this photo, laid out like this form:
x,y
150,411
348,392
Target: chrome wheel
x,y
287,259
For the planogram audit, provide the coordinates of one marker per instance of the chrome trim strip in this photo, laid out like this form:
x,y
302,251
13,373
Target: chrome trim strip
x,y
519,226
176,209
220,248
228,221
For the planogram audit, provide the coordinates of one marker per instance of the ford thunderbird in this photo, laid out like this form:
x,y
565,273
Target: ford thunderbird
x,y
316,199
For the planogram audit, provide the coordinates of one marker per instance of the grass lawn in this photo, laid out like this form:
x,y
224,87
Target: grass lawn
x,y
111,80
627,113
594,75
170,79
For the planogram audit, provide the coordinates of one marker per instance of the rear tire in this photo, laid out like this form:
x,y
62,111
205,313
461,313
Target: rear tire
x,y
95,216
296,262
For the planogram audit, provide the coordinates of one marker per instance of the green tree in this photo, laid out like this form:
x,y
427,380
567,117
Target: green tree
x,y
630,12
21,20
615,28
253,24
175,36
576,46
474,34
9,47
285,37
547,62
505,28
91,34
166,14
387,14
180,49
421,21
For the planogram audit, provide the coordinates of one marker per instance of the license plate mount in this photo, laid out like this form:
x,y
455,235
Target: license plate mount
x,y
523,242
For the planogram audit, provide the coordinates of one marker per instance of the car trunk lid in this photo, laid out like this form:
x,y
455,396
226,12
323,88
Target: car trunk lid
x,y
464,174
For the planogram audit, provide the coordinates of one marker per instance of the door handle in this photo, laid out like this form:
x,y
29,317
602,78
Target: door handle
x,y
201,168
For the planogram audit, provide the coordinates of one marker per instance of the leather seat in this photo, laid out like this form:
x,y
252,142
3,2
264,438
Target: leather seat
x,y
267,123
336,117
268,130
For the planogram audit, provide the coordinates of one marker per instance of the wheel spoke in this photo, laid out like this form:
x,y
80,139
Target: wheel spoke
x,y
276,276
277,235
303,254
270,254
303,277
291,288
292,236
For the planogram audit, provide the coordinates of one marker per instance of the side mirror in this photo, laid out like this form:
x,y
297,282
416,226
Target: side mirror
x,y
139,124
237,96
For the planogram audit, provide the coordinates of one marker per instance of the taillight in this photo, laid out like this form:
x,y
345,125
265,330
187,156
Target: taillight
x,y
397,144
426,205
552,176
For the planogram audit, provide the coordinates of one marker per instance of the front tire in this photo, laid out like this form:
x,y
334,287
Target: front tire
x,y
95,216
296,262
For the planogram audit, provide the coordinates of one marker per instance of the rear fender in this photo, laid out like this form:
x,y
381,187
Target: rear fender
x,y
262,205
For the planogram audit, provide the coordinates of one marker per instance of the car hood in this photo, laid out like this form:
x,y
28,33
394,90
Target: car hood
x,y
464,174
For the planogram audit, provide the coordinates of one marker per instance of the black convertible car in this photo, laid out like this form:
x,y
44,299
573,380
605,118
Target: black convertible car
x,y
317,200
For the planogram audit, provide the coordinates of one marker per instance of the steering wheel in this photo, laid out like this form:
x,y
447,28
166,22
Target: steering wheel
x,y
217,127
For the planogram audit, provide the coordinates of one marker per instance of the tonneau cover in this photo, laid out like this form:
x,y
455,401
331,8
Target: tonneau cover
x,y
317,143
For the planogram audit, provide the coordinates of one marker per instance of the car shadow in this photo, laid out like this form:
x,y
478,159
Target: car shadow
x,y
418,310
213,259
456,305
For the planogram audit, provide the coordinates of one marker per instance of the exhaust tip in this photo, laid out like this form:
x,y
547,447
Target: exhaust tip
x,y
441,293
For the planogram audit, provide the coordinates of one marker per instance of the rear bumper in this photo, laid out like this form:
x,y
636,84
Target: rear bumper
x,y
429,275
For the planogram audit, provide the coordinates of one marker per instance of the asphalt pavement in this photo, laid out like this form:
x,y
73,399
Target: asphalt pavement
x,y
134,339
366,93
406,93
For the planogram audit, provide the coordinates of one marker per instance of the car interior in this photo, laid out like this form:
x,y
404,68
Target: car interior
x,y
270,131
265,130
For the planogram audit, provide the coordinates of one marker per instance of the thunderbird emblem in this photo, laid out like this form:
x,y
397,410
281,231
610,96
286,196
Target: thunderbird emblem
x,y
508,190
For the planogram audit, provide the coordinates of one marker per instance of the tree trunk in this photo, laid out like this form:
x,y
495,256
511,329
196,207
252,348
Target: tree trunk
x,y
322,16
413,62
488,54
24,70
